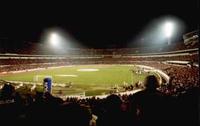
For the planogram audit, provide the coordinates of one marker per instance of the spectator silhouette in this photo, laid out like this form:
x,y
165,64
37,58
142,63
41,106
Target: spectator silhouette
x,y
44,109
73,114
113,115
7,92
148,104
8,109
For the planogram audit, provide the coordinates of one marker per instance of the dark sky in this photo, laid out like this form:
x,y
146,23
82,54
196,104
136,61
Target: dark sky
x,y
98,25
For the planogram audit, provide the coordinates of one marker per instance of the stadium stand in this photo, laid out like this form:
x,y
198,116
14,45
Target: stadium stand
x,y
173,103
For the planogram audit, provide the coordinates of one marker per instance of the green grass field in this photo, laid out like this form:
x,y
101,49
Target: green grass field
x,y
91,79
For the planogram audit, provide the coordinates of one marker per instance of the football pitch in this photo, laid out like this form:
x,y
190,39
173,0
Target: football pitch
x,y
90,79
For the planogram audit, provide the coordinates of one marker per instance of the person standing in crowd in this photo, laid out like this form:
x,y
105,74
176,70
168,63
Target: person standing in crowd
x,y
148,104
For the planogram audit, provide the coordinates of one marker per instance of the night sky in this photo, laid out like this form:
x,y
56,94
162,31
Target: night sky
x,y
95,25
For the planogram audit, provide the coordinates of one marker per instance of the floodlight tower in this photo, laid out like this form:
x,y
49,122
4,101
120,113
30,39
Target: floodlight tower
x,y
168,29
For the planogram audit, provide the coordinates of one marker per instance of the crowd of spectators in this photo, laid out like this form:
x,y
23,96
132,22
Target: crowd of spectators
x,y
147,107
182,78
17,64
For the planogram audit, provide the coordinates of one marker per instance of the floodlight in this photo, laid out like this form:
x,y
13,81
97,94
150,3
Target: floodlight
x,y
168,29
54,39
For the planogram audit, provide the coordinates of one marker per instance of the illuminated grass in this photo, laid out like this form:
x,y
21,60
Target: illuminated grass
x,y
92,82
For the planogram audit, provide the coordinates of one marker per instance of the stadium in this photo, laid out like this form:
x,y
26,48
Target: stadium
x,y
72,71
100,72
89,73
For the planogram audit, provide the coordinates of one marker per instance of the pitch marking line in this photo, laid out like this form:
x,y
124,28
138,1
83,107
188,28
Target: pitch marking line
x,y
66,75
88,70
